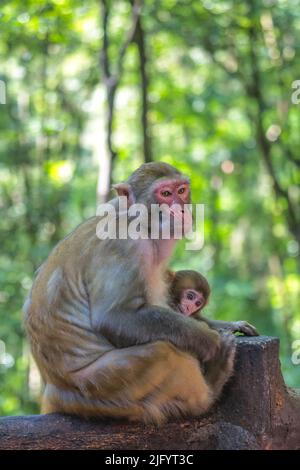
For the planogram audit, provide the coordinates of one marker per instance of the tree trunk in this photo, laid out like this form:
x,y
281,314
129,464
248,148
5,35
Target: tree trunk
x,y
140,42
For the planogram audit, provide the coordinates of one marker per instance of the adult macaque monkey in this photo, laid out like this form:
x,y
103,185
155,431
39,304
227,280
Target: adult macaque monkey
x,y
189,293
101,331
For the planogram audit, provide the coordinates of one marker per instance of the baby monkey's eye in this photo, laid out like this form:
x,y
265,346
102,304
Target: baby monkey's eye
x,y
166,193
181,190
190,295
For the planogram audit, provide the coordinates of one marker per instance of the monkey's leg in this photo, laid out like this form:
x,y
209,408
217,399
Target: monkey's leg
x,y
57,400
219,369
144,383
184,390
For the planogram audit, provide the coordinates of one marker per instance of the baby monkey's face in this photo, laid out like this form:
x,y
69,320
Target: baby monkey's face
x,y
191,301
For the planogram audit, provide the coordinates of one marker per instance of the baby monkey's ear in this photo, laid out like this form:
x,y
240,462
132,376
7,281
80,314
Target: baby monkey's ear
x,y
170,276
124,189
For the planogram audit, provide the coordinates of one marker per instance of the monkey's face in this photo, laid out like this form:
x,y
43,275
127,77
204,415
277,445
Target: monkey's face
x,y
172,195
164,193
191,301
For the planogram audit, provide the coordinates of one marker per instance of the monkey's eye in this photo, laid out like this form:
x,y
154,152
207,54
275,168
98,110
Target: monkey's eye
x,y
166,193
190,295
181,190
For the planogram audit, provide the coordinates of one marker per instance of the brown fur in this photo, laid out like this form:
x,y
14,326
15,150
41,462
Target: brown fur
x,y
101,332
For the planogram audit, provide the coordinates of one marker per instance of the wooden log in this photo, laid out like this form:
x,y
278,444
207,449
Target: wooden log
x,y
256,411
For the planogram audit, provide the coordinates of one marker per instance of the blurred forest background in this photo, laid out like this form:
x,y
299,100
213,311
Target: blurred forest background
x,y
95,88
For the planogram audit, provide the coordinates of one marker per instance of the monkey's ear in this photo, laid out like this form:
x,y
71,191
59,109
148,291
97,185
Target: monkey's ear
x,y
170,276
124,189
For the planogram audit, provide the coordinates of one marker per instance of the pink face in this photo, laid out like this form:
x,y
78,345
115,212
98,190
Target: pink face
x,y
191,301
175,194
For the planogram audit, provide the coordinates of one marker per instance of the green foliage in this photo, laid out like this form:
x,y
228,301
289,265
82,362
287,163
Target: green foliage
x,y
203,115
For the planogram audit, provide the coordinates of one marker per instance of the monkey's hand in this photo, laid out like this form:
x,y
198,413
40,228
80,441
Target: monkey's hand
x,y
239,327
209,342
232,326
244,327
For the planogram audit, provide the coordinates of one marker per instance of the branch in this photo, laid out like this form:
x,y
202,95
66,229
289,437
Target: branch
x,y
104,52
254,90
139,39
112,79
136,11
291,157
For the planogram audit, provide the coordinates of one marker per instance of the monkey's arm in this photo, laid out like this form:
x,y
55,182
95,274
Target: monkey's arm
x,y
147,324
119,309
229,326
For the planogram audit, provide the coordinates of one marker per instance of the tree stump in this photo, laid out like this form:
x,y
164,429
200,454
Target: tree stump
x,y
255,411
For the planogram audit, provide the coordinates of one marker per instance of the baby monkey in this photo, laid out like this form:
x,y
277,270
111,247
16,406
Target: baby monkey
x,y
189,293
